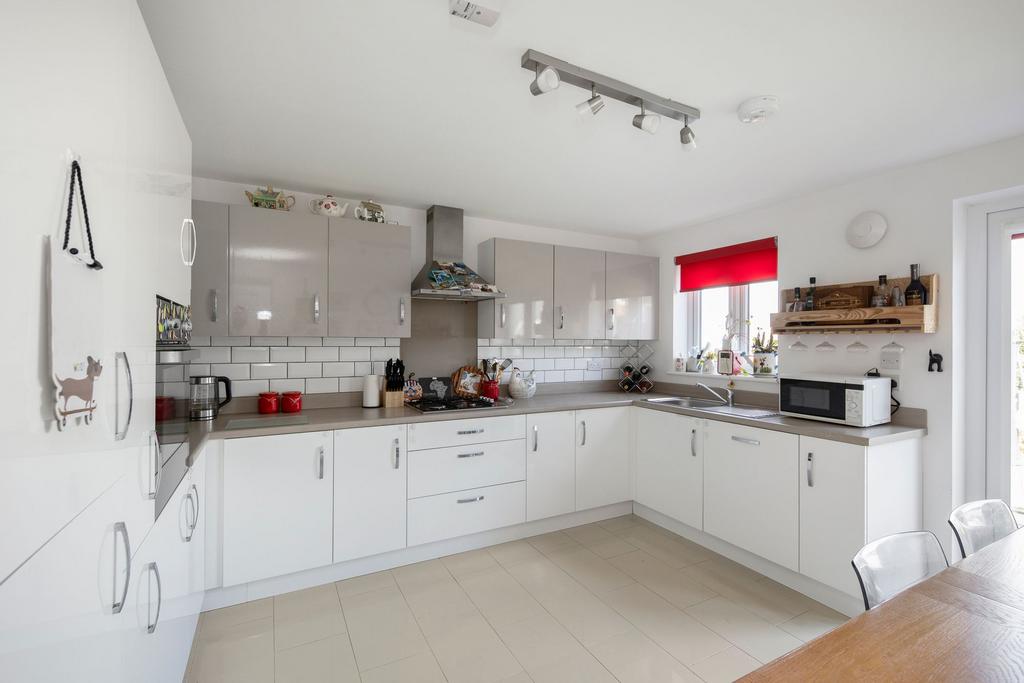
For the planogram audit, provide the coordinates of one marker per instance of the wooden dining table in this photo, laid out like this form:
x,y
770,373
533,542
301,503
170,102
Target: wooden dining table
x,y
966,623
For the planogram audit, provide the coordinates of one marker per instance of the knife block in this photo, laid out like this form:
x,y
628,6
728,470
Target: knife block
x,y
392,399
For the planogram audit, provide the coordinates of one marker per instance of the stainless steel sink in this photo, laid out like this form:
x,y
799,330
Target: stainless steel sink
x,y
715,407
686,402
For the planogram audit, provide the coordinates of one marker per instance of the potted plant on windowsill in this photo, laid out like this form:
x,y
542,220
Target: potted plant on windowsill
x,y
765,353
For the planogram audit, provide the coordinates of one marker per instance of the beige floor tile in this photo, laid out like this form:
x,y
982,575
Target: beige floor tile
x,y
725,667
763,599
612,547
514,552
325,661
555,540
473,652
578,668
242,653
545,580
499,597
521,677
421,668
589,534
382,628
440,605
365,583
470,562
813,623
538,642
617,524
307,615
587,618
669,548
746,630
595,573
421,575
669,583
678,633
634,658
214,621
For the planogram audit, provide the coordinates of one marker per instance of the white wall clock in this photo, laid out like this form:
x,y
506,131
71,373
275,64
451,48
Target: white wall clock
x,y
866,230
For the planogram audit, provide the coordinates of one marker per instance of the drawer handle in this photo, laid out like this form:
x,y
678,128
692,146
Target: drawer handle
x,y
466,432
810,469
470,455
693,442
583,427
475,499
536,437
398,454
751,442
320,464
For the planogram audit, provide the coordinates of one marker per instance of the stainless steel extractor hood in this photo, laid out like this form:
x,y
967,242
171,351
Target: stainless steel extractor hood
x,y
445,276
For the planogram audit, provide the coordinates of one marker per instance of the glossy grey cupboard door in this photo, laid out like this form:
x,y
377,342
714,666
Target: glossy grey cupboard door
x,y
579,293
278,273
369,279
210,270
525,272
632,296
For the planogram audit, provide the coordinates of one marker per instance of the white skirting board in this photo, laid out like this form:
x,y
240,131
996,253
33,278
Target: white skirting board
x,y
837,600
233,595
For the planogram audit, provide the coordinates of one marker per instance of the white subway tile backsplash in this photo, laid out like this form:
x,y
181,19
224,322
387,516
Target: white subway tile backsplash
x,y
339,341
362,368
355,353
369,341
565,342
268,370
563,364
322,385
511,352
249,387
379,367
544,363
393,341
554,375
199,340
250,354
574,352
591,375
573,375
269,341
533,352
214,354
579,363
170,373
287,354
384,352
230,341
554,352
233,371
281,385
340,369
610,351
198,369
305,341
609,373
304,370
350,384
321,353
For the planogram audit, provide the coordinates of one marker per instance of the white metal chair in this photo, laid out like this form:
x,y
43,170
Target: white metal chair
x,y
980,523
893,563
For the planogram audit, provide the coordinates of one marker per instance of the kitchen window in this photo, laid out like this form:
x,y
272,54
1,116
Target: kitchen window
x,y
729,292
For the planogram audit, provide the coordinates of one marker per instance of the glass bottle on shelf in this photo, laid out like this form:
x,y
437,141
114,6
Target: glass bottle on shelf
x,y
916,293
881,296
809,303
798,302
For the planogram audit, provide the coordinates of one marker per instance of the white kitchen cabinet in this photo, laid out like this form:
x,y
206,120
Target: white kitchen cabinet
x,y
602,457
460,513
550,465
370,470
579,293
210,270
277,272
442,470
524,271
193,510
369,279
670,465
750,490
631,287
447,433
851,495
277,505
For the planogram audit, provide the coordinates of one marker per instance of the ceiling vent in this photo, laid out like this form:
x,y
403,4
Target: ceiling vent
x,y
475,12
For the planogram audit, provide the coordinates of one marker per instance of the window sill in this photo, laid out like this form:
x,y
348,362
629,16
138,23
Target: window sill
x,y
754,379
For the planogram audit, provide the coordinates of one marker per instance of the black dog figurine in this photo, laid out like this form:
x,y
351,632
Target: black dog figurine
x,y
934,361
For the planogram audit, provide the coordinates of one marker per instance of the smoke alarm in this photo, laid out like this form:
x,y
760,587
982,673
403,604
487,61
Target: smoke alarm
x,y
757,109
471,11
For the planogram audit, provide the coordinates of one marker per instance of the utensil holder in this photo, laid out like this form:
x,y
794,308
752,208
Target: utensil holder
x,y
392,399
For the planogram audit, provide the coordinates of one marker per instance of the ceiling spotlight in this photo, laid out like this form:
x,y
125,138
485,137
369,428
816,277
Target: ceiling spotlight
x,y
757,109
591,106
646,122
686,135
546,81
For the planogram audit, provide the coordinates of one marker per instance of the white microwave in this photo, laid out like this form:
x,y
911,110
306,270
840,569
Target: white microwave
x,y
854,401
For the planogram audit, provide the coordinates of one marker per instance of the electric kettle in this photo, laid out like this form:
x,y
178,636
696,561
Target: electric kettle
x,y
204,396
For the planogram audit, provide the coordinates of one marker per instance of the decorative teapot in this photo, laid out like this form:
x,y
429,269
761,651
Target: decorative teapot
x,y
369,210
328,206
520,385
270,198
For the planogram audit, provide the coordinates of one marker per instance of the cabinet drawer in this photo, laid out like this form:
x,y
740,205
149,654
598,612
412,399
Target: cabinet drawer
x,y
462,432
441,470
467,512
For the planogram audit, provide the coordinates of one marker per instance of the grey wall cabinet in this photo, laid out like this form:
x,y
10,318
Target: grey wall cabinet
x,y
579,293
632,296
369,279
278,273
525,272
210,270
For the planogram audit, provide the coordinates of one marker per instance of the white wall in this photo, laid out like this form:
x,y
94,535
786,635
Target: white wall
x,y
476,229
918,202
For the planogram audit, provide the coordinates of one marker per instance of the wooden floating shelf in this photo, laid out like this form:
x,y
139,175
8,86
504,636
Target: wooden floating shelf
x,y
878,320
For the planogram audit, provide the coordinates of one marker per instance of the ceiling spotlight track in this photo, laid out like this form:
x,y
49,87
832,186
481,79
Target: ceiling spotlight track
x,y
591,106
648,123
546,80
686,136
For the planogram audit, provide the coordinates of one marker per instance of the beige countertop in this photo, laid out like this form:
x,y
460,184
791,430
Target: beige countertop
x,y
325,419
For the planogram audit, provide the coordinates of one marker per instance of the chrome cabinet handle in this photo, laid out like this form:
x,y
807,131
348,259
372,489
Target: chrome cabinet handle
x,y
316,308
536,437
475,499
155,571
583,425
191,258
751,442
502,324
470,455
193,500
561,317
398,454
154,446
119,434
121,529
195,243
401,311
213,306
693,442
320,471
810,469
611,318
465,432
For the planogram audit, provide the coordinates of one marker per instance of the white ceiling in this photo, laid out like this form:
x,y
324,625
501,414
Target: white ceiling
x,y
395,100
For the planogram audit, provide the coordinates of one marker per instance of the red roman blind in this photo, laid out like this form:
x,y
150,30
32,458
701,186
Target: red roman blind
x,y
739,264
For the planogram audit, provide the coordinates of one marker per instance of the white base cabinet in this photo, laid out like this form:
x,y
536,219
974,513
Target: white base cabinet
x,y
278,500
461,513
550,465
750,490
602,457
670,465
370,474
